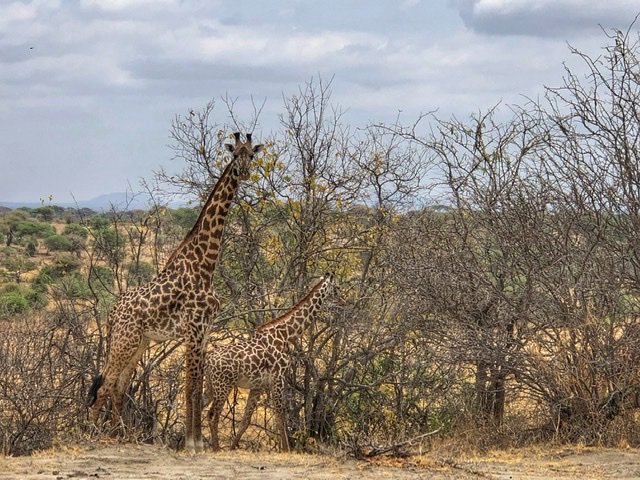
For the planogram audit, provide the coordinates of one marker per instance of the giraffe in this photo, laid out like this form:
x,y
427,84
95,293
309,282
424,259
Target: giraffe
x,y
260,364
179,303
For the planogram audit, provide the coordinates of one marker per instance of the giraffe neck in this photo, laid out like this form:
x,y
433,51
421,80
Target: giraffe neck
x,y
198,252
293,323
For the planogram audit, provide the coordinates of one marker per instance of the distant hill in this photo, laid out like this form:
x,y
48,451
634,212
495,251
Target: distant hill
x,y
121,200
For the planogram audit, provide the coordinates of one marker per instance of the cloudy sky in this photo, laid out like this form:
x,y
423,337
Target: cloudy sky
x,y
88,88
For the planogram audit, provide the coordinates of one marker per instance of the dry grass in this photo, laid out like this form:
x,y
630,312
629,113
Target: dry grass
x,y
111,459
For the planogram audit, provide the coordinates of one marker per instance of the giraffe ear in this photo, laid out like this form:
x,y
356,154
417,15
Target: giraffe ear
x,y
229,147
258,148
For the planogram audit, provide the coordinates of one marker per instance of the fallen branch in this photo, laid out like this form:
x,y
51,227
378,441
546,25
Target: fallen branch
x,y
397,446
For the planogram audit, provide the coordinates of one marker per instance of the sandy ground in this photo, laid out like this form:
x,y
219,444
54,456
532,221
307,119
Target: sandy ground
x,y
128,461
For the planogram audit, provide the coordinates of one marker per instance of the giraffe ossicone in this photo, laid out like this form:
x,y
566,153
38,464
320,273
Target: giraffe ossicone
x,y
179,303
260,363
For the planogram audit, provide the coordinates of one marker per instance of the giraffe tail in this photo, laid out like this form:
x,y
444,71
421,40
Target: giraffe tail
x,y
93,390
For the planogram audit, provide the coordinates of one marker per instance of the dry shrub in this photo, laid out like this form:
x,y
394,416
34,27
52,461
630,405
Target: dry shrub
x,y
43,361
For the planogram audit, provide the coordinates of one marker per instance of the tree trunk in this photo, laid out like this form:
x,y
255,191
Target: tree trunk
x,y
498,394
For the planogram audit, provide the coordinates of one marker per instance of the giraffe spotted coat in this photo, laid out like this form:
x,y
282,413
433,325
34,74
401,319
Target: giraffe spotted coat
x,y
259,364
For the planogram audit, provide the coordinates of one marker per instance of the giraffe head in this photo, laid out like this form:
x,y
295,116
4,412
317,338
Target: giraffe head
x,y
243,153
330,285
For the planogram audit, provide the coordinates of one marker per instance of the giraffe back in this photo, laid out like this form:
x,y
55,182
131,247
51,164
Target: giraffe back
x,y
246,364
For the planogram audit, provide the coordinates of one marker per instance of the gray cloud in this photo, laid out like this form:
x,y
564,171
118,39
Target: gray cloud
x,y
89,107
546,18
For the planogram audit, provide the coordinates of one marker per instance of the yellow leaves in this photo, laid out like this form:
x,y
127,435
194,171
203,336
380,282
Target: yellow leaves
x,y
254,177
312,184
268,164
162,212
268,168
378,163
273,248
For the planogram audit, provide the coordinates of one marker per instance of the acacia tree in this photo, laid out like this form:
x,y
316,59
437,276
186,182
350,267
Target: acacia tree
x,y
529,277
464,267
592,138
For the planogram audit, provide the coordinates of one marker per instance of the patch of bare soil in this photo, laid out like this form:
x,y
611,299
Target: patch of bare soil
x,y
567,463
129,461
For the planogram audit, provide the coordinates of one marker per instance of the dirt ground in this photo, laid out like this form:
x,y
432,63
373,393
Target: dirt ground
x,y
130,461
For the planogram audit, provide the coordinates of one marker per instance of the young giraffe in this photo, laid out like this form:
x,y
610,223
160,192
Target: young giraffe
x,y
179,303
260,364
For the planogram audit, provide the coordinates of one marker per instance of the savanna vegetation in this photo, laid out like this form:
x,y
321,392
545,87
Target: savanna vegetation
x,y
489,271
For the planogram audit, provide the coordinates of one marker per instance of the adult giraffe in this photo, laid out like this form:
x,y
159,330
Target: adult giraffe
x,y
179,303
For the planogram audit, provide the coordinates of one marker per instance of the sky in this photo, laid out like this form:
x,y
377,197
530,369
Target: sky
x,y
89,88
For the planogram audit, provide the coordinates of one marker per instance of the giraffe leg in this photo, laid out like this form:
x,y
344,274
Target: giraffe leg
x,y
278,399
214,421
102,395
124,380
252,403
123,348
193,393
